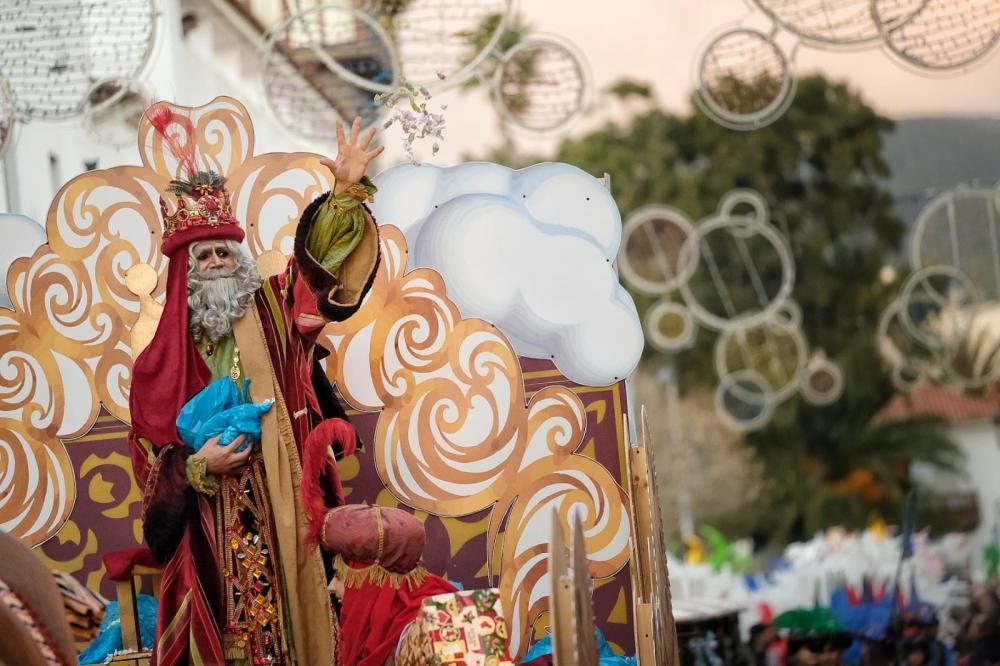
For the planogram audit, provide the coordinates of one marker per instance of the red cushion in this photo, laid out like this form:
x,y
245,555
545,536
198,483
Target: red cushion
x,y
119,563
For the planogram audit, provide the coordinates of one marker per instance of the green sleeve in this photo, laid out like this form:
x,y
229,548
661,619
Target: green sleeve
x,y
339,227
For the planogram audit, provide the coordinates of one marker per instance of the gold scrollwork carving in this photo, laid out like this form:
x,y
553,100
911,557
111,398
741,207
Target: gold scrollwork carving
x,y
457,433
66,344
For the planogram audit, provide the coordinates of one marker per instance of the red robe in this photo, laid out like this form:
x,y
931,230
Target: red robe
x,y
375,617
284,320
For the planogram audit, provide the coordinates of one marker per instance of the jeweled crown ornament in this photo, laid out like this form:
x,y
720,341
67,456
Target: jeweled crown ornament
x,y
196,206
199,201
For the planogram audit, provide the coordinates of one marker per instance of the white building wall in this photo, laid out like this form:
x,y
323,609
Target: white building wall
x,y
979,442
216,58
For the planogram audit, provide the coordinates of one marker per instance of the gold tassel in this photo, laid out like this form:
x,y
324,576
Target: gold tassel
x,y
377,575
234,648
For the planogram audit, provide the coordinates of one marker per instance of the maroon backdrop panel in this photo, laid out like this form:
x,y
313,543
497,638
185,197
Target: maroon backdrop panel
x,y
105,516
457,546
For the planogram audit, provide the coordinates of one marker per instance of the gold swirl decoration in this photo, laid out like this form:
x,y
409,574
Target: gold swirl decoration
x,y
457,435
457,432
64,347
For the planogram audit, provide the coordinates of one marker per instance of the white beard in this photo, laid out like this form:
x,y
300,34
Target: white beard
x,y
216,299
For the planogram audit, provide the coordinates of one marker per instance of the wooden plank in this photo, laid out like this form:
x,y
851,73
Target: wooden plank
x,y
561,603
663,611
583,596
645,642
128,613
654,627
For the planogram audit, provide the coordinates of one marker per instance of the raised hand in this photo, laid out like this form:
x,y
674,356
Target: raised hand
x,y
353,156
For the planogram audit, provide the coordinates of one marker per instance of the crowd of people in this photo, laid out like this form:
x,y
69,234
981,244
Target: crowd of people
x,y
910,639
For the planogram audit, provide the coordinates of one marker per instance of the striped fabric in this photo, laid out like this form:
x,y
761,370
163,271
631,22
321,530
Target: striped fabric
x,y
84,608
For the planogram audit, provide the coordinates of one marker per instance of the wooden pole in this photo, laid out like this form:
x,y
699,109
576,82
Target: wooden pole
x,y
574,640
655,630
586,626
561,604
664,608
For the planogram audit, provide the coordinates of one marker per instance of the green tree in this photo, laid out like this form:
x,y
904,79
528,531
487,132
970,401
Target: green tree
x,y
821,169
841,464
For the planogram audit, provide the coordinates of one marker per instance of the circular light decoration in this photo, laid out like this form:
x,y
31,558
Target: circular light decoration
x,y
541,83
838,24
659,249
112,111
745,273
748,206
326,64
773,350
744,80
7,120
734,273
52,52
939,308
907,358
823,381
442,38
938,35
789,314
906,376
961,228
743,400
938,330
936,306
835,23
670,326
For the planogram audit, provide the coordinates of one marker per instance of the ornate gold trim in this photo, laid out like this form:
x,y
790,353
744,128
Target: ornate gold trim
x,y
199,478
376,574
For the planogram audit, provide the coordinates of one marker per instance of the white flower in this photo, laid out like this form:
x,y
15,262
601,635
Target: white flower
x,y
415,122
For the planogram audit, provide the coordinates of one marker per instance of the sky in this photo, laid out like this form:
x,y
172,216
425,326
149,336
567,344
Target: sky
x,y
657,41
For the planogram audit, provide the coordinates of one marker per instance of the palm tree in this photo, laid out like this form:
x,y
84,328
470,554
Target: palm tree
x,y
852,465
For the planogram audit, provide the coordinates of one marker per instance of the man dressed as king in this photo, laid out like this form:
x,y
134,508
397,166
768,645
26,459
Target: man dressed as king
x,y
226,521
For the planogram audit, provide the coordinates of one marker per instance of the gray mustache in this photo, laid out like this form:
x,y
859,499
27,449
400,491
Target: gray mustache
x,y
217,273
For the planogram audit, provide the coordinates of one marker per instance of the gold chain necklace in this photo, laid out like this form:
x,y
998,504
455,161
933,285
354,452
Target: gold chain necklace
x,y
234,372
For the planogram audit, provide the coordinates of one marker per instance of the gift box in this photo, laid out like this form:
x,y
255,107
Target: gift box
x,y
465,627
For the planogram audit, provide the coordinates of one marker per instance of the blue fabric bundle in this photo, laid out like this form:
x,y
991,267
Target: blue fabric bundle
x,y
221,409
109,640
605,656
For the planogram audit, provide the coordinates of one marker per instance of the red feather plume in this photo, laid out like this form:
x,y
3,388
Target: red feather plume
x,y
162,118
315,457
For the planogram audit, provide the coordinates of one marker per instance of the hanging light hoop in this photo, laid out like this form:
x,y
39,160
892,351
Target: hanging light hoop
x,y
331,63
688,251
539,41
745,121
469,69
901,50
27,109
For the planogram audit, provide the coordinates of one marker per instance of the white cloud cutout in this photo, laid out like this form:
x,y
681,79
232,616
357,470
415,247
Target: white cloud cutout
x,y
22,236
530,251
